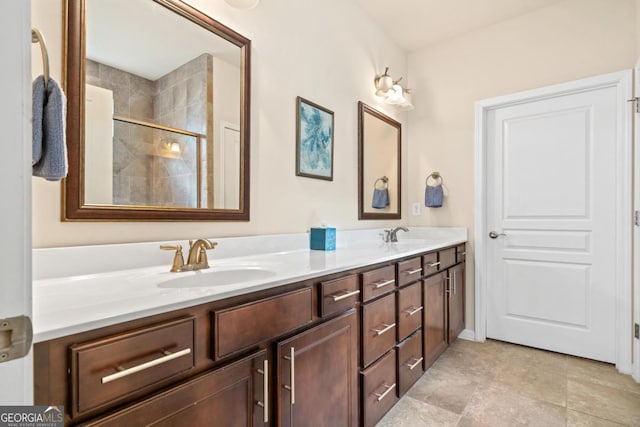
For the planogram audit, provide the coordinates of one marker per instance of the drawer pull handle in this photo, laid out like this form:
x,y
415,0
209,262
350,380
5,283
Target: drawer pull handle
x,y
292,387
384,329
414,364
348,294
434,264
417,270
150,364
412,311
462,253
382,284
265,390
388,388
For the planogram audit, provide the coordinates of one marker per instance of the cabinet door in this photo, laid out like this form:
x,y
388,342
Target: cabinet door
x,y
229,396
435,318
456,301
317,375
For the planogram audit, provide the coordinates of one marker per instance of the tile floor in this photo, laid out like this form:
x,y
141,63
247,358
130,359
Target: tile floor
x,y
496,384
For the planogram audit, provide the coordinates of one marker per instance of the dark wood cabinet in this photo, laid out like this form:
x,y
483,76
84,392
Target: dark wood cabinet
x,y
379,389
435,317
230,396
317,375
378,328
456,301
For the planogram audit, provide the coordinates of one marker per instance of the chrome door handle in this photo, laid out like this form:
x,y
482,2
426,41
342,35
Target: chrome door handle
x,y
265,391
417,270
382,284
455,283
292,388
411,311
411,366
434,264
495,235
348,294
385,328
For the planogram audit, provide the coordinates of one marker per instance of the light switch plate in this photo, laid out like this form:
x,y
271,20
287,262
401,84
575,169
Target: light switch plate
x,y
415,209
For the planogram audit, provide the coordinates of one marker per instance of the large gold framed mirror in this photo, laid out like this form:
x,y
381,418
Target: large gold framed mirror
x,y
379,192
157,115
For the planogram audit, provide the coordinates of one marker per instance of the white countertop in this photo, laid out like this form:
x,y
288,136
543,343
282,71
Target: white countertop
x,y
103,294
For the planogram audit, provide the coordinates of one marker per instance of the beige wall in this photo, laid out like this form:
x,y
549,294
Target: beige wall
x,y
325,51
566,41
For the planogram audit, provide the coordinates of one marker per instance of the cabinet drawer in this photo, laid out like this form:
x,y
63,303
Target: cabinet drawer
x,y
409,310
338,295
232,395
107,370
241,327
447,258
378,282
379,389
461,253
430,263
378,328
409,362
409,271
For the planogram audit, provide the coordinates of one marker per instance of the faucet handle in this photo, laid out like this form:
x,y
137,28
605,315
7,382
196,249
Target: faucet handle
x,y
178,259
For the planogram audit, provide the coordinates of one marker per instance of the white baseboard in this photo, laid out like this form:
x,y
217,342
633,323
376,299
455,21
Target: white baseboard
x,y
467,334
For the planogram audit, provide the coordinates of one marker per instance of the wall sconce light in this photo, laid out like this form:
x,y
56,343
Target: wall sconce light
x,y
393,93
171,146
243,4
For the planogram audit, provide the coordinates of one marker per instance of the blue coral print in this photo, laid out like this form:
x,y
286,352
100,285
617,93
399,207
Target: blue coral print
x,y
316,130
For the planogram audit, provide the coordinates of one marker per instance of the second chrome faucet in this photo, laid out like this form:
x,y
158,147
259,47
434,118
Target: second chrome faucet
x,y
392,234
196,259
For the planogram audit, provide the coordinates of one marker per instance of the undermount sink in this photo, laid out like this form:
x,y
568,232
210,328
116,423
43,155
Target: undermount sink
x,y
212,278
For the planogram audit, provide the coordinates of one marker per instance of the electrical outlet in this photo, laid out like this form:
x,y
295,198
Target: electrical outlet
x,y
415,209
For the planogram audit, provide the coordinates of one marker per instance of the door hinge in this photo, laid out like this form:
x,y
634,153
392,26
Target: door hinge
x,y
637,331
16,335
637,104
636,218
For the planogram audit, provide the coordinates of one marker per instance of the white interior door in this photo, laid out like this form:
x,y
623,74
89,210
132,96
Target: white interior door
x,y
16,376
552,174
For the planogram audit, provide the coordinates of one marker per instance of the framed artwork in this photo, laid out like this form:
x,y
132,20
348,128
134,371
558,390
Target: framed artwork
x,y
314,140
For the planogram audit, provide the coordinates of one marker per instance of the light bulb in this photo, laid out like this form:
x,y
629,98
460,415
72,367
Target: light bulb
x,y
396,98
175,147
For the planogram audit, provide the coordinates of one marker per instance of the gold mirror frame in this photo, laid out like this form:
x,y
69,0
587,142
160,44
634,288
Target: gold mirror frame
x,y
362,213
73,206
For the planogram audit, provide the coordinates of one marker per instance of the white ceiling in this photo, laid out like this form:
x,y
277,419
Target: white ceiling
x,y
414,24
147,39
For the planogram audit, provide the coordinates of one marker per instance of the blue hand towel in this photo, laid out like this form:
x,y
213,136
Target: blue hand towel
x,y
49,159
380,198
433,196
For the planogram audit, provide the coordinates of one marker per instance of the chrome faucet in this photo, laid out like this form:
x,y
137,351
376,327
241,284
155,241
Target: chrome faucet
x,y
197,259
392,236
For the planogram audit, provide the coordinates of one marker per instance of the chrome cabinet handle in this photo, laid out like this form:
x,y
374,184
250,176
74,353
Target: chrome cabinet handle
x,y
416,363
465,252
455,285
168,356
265,390
447,289
292,387
417,270
388,388
385,328
382,284
412,311
348,294
434,264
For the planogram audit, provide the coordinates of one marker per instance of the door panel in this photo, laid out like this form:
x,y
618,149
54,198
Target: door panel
x,y
550,180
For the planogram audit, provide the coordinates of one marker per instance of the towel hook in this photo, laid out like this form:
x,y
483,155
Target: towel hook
x,y
37,37
385,181
435,176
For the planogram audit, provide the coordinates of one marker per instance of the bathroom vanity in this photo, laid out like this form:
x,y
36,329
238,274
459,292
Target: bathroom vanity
x,y
332,338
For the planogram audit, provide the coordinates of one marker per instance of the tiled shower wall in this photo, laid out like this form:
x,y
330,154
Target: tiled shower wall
x,y
145,171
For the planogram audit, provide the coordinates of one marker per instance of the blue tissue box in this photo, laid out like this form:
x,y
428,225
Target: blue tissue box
x,y
323,239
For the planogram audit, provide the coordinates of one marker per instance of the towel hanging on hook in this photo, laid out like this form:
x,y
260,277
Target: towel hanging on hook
x,y
434,194
380,198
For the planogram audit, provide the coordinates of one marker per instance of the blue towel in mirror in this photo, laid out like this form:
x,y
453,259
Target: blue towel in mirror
x,y
433,196
380,198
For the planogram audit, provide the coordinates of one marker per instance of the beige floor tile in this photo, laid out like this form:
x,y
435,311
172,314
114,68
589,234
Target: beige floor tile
x,y
538,380
604,402
602,373
479,367
445,389
409,412
498,406
578,419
